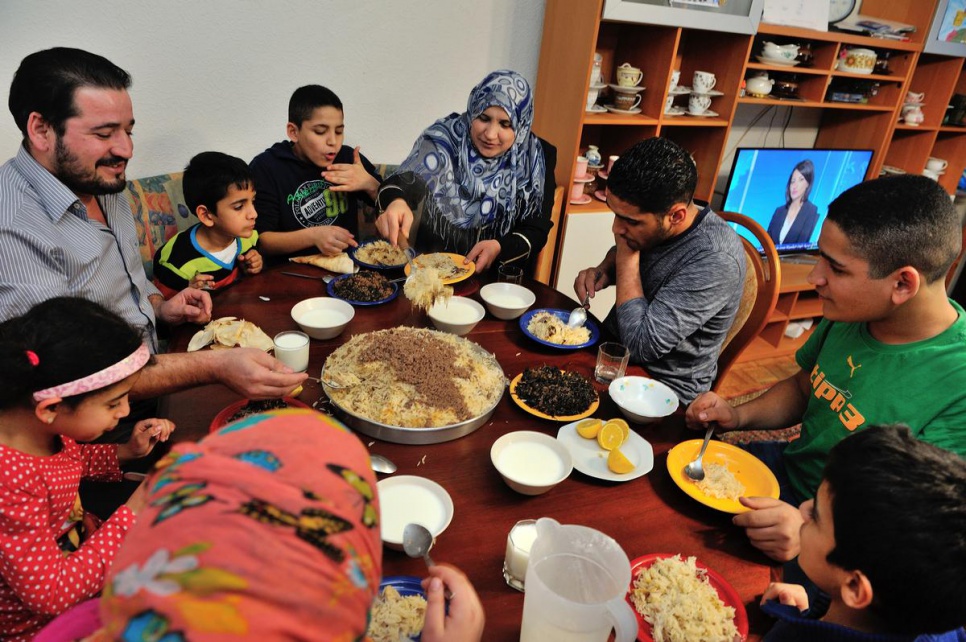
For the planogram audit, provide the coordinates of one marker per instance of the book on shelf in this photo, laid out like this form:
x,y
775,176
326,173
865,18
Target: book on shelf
x,y
876,27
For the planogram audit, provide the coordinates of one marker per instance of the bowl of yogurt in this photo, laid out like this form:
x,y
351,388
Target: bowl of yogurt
x,y
507,301
322,317
457,315
530,462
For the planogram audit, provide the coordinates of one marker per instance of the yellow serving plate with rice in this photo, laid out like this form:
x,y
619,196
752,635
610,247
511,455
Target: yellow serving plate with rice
x,y
457,260
750,471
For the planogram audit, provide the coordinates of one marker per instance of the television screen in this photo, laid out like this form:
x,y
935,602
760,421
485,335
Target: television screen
x,y
768,184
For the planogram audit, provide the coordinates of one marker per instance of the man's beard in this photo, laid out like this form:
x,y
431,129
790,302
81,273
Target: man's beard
x,y
71,174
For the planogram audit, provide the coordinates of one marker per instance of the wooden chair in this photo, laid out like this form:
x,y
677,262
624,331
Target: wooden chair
x,y
758,298
544,265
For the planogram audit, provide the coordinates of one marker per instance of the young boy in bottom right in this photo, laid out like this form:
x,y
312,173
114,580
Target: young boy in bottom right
x,y
885,537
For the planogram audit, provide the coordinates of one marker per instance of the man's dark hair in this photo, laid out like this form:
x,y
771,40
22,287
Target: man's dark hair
x,y
208,177
653,175
307,99
899,511
896,221
46,81
807,169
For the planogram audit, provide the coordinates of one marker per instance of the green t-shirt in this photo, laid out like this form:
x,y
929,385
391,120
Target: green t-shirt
x,y
859,382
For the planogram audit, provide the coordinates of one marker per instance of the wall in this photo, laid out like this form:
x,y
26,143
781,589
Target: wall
x,y
218,74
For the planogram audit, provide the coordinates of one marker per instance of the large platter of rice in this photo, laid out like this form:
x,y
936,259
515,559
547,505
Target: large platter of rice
x,y
549,327
679,599
413,385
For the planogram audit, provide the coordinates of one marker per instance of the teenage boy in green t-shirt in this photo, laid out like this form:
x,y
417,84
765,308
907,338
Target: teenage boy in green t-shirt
x,y
891,348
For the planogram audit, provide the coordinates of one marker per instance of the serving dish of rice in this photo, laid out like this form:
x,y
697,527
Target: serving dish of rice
x,y
413,385
682,600
399,611
449,266
549,327
378,254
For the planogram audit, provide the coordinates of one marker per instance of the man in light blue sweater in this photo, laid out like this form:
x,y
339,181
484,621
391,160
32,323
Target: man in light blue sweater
x,y
678,267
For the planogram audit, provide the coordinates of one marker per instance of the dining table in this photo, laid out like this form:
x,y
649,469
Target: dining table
x,y
649,514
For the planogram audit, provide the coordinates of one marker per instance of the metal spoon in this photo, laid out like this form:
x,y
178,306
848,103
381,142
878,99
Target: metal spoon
x,y
695,470
326,278
578,316
417,540
381,464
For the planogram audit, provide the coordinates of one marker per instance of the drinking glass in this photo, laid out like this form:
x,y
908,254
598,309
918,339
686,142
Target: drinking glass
x,y
612,361
510,274
292,349
518,544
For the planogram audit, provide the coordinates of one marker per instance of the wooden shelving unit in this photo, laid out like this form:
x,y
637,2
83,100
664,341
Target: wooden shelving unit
x,y
574,31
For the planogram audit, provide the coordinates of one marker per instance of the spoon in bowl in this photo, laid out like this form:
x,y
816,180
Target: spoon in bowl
x,y
417,540
578,316
695,470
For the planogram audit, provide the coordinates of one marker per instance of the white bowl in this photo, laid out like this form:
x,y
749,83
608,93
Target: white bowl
x,y
642,400
531,462
507,301
458,315
405,499
322,317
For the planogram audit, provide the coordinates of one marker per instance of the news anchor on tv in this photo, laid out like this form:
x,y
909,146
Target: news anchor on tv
x,y
794,222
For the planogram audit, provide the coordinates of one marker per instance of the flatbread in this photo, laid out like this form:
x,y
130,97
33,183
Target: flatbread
x,y
340,263
228,332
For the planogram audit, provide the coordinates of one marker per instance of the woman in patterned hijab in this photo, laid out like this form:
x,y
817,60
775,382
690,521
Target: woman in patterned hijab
x,y
481,182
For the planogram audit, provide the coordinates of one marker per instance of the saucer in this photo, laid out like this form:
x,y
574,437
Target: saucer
x,y
676,111
596,109
603,174
913,104
600,195
628,90
598,86
680,90
705,114
889,169
583,179
583,200
615,110
781,62
712,93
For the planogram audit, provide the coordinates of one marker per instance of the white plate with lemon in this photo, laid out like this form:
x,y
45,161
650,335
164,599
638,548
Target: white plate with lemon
x,y
611,452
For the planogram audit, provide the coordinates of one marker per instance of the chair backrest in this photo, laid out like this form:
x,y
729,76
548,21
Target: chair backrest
x,y
544,265
758,298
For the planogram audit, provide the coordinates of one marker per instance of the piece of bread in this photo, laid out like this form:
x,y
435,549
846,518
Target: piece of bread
x,y
340,263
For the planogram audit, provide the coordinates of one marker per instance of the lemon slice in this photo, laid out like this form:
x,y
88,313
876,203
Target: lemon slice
x,y
610,436
625,429
618,463
588,428
296,392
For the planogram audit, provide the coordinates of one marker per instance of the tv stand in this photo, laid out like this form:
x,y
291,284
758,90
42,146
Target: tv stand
x,y
802,259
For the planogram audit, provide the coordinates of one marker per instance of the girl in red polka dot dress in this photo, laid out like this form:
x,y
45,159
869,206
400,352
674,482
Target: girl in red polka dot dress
x,y
66,368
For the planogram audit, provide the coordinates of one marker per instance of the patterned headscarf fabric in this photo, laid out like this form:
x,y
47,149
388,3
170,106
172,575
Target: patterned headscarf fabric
x,y
465,188
265,530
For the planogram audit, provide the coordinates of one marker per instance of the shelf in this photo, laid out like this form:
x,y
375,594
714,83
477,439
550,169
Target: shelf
x,y
692,121
875,77
807,307
813,104
837,36
788,70
916,128
618,119
594,207
949,129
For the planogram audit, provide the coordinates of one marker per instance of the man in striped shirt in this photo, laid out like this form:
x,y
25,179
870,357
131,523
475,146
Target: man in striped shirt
x,y
66,229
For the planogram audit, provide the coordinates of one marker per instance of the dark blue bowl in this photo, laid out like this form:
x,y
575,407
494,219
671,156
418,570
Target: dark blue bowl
x,y
330,288
563,315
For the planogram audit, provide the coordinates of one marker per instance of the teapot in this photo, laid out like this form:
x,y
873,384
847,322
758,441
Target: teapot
x,y
759,86
912,115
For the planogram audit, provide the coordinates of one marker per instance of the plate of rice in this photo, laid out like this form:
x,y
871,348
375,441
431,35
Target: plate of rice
x,y
399,611
549,327
679,599
378,255
730,473
449,265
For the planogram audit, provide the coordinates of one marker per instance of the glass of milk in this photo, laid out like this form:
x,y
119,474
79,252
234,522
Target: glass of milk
x,y
518,544
292,349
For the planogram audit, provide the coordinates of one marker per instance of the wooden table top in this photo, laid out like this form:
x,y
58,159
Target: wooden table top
x,y
646,515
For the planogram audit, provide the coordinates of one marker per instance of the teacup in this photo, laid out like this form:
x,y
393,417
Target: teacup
x,y
626,101
698,104
610,162
930,174
675,79
668,103
936,164
577,192
782,52
914,97
629,76
703,82
912,115
591,98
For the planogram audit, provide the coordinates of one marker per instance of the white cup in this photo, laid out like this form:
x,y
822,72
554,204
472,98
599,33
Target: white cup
x,y
629,76
610,162
518,544
936,164
930,174
292,349
581,171
591,98
703,82
675,79
698,104
668,103
625,101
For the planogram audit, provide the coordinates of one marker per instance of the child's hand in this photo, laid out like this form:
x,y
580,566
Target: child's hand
x,y
251,262
201,281
788,594
346,177
139,499
146,434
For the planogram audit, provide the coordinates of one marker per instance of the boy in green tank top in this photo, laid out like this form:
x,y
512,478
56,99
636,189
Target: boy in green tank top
x,y
890,349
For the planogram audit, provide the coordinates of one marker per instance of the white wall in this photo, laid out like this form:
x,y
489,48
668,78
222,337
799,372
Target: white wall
x,y
217,74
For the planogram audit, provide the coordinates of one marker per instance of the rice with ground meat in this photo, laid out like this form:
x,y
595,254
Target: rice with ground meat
x,y
414,378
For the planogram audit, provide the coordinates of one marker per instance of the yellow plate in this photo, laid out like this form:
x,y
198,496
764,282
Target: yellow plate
x,y
457,259
536,413
757,479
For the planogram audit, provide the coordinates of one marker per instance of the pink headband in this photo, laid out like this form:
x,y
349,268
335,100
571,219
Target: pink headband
x,y
102,379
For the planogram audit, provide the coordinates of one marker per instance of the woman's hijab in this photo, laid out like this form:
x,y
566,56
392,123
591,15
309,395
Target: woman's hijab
x,y
471,191
265,530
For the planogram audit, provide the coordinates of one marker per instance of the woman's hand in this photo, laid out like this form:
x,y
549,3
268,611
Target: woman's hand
x,y
145,435
332,239
351,177
251,262
465,620
483,254
396,220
